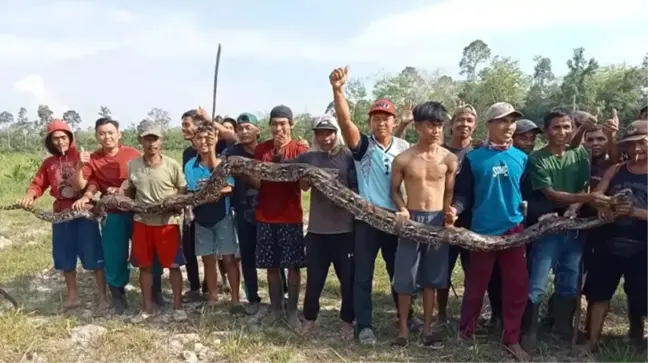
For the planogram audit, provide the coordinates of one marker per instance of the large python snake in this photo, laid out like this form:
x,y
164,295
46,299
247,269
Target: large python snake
x,y
326,181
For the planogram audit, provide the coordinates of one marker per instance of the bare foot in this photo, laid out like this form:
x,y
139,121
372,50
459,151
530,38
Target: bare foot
x,y
102,308
518,353
347,331
70,305
308,327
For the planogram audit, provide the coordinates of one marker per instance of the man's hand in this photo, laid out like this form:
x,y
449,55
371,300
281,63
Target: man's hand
x,y
572,211
211,141
406,115
606,214
403,213
201,113
590,122
279,141
84,156
599,200
26,202
611,126
450,217
339,77
112,190
622,208
81,203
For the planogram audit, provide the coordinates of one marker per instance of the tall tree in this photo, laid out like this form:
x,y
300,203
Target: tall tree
x,y
474,54
543,91
577,88
160,116
6,121
44,117
72,118
104,111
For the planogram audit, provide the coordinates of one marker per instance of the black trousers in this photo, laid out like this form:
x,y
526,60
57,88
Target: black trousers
x,y
191,261
322,250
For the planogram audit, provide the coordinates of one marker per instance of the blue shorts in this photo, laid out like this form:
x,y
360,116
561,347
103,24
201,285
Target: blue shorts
x,y
78,238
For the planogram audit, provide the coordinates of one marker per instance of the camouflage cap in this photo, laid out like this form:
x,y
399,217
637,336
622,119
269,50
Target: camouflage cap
x,y
637,130
148,127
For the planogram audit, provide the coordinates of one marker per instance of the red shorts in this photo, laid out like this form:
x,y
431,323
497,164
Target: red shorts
x,y
151,241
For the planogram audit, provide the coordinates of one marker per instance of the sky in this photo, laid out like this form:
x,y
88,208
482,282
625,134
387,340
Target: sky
x,y
134,55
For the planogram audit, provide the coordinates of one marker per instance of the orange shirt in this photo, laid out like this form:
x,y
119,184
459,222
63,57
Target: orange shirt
x,y
104,171
279,202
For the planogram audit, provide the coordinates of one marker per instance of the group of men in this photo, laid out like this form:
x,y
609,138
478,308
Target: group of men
x,y
446,184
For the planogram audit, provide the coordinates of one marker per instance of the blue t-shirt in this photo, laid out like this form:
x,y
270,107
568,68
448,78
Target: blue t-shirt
x,y
373,168
489,184
211,213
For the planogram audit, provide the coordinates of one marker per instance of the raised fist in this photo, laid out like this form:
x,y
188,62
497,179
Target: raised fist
x,y
339,77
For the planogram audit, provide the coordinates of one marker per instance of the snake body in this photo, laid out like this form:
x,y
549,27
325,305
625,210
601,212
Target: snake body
x,y
326,181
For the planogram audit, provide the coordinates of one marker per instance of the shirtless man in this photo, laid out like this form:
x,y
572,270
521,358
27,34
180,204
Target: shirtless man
x,y
428,171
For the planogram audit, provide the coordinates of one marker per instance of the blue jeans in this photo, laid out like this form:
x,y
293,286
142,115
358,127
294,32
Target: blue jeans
x,y
561,252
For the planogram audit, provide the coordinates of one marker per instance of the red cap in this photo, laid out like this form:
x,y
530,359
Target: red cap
x,y
383,105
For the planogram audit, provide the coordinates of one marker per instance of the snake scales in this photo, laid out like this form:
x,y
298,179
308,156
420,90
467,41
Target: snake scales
x,y
326,181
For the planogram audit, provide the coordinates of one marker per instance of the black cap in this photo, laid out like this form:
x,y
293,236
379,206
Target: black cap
x,y
524,125
281,111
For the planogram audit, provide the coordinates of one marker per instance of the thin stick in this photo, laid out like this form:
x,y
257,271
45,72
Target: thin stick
x,y
218,55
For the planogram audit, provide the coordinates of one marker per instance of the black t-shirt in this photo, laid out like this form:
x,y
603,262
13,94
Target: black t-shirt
x,y
244,198
627,235
465,217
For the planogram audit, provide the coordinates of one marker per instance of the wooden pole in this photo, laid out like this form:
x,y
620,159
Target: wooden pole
x,y
218,55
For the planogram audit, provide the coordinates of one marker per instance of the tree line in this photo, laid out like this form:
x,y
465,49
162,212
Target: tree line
x,y
485,79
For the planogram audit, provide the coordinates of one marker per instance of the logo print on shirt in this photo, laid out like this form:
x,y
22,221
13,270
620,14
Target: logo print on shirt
x,y
500,170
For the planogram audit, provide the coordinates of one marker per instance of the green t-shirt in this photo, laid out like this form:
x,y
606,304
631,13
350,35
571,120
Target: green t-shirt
x,y
567,173
154,183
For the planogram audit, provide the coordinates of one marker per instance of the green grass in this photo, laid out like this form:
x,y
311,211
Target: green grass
x,y
38,332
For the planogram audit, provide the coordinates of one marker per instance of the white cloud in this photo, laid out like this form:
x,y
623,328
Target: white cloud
x,y
34,87
121,16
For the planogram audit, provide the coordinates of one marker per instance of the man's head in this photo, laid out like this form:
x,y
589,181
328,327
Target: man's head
x,y
200,139
247,128
229,124
325,132
218,119
281,121
635,140
643,113
107,133
150,137
429,118
500,122
525,134
382,115
59,137
463,122
596,141
558,127
188,124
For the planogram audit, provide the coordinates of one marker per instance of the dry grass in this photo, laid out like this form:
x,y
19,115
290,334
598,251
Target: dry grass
x,y
38,332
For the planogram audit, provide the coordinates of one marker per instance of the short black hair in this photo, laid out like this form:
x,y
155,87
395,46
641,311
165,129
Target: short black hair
x,y
106,120
554,114
430,111
230,120
190,113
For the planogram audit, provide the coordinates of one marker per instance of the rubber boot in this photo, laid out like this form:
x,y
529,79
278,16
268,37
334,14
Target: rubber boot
x,y
276,301
530,326
118,299
564,317
548,320
293,300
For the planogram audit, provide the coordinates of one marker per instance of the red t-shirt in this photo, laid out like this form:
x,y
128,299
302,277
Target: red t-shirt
x,y
279,202
104,171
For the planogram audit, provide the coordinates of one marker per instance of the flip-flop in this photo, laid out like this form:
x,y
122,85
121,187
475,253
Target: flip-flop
x,y
400,342
69,308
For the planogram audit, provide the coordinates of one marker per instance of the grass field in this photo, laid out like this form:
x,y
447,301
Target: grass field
x,y
39,333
